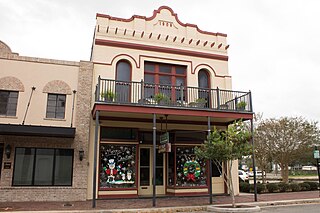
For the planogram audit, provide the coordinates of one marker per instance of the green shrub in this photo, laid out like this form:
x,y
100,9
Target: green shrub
x,y
313,185
244,187
295,187
283,187
260,188
304,186
272,187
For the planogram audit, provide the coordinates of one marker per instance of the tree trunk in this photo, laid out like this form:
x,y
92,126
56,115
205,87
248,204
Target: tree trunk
x,y
284,173
230,184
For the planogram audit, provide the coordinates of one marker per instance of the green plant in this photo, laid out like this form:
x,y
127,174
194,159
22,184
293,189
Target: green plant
x,y
201,101
108,95
241,105
304,186
226,146
283,187
244,187
272,187
295,187
161,98
313,185
260,188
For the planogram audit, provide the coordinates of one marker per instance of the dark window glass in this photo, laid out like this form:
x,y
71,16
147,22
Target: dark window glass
x,y
118,133
123,85
163,68
190,136
63,167
144,167
123,71
43,167
149,79
56,106
203,79
149,67
8,102
171,169
118,166
216,170
23,166
181,70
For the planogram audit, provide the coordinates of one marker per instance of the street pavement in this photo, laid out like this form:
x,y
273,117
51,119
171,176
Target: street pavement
x,y
306,208
163,204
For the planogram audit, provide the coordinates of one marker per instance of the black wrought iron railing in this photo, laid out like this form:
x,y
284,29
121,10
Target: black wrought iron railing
x,y
142,93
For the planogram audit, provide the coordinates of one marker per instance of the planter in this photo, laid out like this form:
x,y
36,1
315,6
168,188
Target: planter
x,y
238,208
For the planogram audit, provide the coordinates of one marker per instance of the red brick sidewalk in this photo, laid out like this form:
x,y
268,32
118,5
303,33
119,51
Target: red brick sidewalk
x,y
147,202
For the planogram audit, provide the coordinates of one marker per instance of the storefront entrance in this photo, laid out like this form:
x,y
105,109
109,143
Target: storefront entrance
x,y
145,172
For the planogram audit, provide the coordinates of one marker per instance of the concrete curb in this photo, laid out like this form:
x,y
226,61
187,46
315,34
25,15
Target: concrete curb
x,y
182,209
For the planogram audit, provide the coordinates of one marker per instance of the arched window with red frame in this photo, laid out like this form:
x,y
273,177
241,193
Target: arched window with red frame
x,y
123,81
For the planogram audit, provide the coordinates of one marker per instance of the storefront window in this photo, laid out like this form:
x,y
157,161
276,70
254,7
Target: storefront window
x,y
191,171
118,166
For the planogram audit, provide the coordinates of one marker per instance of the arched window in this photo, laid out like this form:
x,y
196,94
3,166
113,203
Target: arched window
x,y
123,78
203,79
204,87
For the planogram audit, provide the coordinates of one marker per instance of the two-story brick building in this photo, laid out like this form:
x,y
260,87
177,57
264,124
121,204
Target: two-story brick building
x,y
128,118
159,86
44,120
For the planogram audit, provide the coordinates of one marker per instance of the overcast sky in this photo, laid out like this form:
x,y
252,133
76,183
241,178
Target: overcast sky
x,y
274,45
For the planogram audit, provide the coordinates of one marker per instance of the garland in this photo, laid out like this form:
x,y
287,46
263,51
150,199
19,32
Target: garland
x,y
193,163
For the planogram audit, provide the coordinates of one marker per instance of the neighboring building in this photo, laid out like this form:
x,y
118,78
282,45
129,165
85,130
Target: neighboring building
x,y
44,121
158,70
69,130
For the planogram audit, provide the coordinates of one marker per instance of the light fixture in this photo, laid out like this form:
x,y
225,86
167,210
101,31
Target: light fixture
x,y
8,150
81,154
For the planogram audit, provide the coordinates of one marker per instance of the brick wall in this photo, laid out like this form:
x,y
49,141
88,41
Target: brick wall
x,y
78,190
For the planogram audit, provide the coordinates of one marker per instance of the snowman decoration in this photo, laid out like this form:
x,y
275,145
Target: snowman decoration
x,y
111,171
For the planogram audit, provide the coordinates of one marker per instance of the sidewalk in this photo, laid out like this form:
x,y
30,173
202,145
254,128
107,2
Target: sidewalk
x,y
145,204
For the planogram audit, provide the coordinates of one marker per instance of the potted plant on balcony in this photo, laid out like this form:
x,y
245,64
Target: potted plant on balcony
x,y
199,103
108,96
241,105
161,99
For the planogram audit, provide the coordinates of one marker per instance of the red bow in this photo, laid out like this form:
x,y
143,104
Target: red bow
x,y
191,177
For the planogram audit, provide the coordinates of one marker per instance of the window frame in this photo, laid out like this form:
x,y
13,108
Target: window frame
x,y
14,103
53,177
55,106
173,75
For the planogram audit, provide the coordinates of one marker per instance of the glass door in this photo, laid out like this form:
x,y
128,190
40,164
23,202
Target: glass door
x,y
146,169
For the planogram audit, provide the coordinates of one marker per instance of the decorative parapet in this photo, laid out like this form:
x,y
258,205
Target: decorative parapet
x,y
163,27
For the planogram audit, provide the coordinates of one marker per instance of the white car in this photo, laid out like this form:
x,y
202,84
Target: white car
x,y
243,176
258,174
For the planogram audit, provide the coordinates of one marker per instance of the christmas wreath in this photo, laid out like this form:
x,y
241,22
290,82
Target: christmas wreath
x,y
191,169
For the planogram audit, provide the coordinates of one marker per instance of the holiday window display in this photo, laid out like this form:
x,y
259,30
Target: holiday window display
x,y
117,166
190,171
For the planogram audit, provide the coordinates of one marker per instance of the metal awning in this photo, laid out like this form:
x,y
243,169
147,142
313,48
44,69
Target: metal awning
x,y
42,131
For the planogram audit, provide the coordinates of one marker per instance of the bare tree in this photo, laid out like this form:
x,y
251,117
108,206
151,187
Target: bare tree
x,y
284,140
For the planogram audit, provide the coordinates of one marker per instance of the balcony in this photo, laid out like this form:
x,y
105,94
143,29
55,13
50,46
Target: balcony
x,y
170,96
